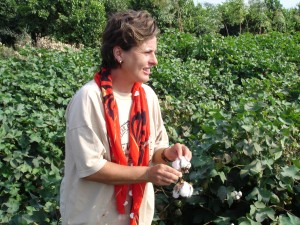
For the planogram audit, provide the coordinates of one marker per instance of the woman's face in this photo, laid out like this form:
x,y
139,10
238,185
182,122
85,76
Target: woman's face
x,y
138,61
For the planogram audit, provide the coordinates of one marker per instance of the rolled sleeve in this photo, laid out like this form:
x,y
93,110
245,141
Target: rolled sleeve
x,y
87,150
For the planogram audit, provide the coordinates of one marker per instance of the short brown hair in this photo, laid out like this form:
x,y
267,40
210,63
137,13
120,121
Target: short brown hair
x,y
126,29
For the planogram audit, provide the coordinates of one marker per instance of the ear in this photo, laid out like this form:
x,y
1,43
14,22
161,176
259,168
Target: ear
x,y
117,51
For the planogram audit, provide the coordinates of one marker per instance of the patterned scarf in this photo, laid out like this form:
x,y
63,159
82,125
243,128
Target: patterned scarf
x,y
139,131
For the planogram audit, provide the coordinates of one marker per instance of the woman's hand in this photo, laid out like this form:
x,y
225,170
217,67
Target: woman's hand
x,y
162,175
170,154
176,151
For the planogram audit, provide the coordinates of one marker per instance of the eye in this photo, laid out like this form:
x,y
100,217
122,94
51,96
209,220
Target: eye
x,y
150,52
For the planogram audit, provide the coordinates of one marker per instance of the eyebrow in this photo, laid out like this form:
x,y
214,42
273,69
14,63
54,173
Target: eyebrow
x,y
147,49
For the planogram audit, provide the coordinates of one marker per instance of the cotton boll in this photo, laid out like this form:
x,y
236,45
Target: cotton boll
x,y
176,189
175,194
181,164
186,190
184,163
176,164
236,195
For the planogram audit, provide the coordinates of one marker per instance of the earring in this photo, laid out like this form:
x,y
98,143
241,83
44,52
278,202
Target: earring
x,y
120,61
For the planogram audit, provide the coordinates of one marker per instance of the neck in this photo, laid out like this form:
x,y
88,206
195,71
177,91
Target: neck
x,y
119,81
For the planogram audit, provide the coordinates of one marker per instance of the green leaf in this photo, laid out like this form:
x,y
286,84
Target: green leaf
x,y
25,168
222,176
264,195
252,194
289,220
291,171
247,221
253,168
263,214
259,205
13,206
275,199
35,137
222,220
40,123
278,154
222,193
247,128
228,143
296,163
251,106
257,147
285,121
248,148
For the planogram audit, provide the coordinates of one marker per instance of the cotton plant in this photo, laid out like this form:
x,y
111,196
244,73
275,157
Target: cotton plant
x,y
182,188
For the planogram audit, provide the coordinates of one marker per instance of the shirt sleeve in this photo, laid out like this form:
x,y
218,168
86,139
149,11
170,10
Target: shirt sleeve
x,y
87,150
85,135
161,139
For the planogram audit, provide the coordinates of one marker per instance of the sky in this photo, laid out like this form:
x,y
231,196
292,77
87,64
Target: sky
x,y
285,3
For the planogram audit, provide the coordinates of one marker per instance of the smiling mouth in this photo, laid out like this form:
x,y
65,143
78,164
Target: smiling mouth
x,y
147,70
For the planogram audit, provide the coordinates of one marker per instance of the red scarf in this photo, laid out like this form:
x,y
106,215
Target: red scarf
x,y
139,131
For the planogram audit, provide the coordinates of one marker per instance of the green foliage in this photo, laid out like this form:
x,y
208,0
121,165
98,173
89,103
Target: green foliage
x,y
257,18
162,11
82,22
9,26
233,13
112,6
73,21
234,101
238,110
250,55
34,93
200,20
6,52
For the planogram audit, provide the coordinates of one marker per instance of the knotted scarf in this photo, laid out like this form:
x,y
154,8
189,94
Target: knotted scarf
x,y
139,131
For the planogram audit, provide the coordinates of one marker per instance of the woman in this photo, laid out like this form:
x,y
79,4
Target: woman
x,y
116,143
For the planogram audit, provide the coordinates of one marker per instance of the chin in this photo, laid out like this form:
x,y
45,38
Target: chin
x,y
145,80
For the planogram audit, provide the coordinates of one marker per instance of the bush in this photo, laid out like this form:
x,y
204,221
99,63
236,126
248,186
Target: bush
x,y
74,22
241,119
82,23
34,93
238,110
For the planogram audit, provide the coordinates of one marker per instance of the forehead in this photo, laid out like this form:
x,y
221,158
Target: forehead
x,y
150,44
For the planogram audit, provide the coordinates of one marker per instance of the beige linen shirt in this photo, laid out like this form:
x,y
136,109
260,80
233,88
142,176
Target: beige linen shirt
x,y
86,152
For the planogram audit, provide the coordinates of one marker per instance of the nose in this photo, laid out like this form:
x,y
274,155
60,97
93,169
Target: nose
x,y
154,60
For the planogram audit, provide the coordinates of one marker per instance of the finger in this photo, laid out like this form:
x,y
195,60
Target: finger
x,y
187,153
167,181
173,171
163,181
163,175
173,178
169,175
178,149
